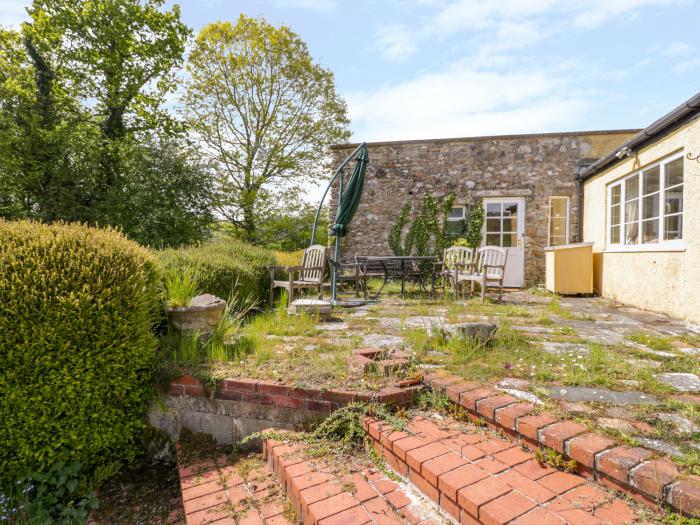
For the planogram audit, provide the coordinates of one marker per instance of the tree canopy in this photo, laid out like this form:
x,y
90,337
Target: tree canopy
x,y
264,113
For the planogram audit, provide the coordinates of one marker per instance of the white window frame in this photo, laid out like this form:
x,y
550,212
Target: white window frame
x,y
549,218
464,213
662,245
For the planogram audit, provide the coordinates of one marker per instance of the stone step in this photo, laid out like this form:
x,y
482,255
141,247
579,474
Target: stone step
x,y
322,493
478,476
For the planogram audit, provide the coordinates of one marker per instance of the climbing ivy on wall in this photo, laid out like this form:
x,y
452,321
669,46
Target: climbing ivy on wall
x,y
426,235
475,222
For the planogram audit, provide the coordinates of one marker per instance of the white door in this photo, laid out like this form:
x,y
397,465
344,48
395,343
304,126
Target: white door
x,y
504,226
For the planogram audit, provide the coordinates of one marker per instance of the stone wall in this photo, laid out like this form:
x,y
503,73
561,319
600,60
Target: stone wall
x,y
531,166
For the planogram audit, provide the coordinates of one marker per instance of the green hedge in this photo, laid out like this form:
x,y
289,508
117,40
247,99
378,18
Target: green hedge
x,y
77,309
222,263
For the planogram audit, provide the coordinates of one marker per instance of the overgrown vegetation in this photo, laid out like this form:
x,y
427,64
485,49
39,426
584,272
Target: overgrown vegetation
x,y
552,458
426,235
77,311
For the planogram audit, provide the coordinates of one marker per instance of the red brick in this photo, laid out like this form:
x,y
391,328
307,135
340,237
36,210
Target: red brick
x,y
453,391
231,395
274,389
267,510
399,466
538,516
487,407
375,429
201,490
209,515
176,390
586,497
388,438
339,396
319,406
467,519
353,516
561,482
402,446
504,509
426,428
243,385
440,384
204,502
449,505
434,468
491,465
493,446
186,379
331,506
471,497
305,393
276,520
684,496
308,480
616,512
258,399
398,499
533,469
362,490
252,517
554,436
416,457
424,486
318,493
617,462
468,399
584,448
472,453
513,456
385,485
651,477
380,512
572,514
288,402
507,416
450,482
194,390
532,489
529,425
390,395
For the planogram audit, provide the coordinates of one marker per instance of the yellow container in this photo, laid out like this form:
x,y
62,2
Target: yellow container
x,y
569,268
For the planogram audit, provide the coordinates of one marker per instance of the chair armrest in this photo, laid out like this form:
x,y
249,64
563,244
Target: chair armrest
x,y
273,267
502,266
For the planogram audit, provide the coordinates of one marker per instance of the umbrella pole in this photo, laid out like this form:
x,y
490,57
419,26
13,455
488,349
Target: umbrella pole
x,y
334,266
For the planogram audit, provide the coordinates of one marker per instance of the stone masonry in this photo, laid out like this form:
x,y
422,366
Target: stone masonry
x,y
535,167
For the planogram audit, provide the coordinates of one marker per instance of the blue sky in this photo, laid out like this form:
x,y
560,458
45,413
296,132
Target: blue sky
x,y
442,68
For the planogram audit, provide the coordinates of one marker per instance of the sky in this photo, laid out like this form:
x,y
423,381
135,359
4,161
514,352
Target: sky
x,y
414,69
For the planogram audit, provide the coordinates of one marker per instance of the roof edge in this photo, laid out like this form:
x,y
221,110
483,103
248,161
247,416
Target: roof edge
x,y
349,145
686,112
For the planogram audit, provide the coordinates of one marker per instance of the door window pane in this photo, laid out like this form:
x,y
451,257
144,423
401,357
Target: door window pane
x,y
510,224
510,209
650,231
651,180
673,227
674,173
493,225
493,209
509,240
493,239
651,206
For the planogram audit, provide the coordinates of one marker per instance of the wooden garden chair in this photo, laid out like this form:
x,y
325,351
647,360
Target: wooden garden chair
x,y
488,270
454,260
308,275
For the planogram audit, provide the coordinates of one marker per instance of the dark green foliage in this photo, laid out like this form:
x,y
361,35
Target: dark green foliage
x,y
290,230
77,309
427,234
222,264
475,222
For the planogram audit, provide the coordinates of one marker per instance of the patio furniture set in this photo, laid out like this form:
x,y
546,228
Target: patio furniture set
x,y
459,265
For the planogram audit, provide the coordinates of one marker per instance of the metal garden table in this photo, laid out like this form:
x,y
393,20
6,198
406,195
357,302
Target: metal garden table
x,y
402,267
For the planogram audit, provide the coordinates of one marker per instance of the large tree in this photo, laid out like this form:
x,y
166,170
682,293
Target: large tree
x,y
264,113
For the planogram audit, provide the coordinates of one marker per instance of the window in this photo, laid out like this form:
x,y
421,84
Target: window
x,y
502,224
558,220
646,208
456,221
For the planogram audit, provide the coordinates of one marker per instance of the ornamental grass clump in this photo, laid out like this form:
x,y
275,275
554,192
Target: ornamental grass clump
x,y
77,310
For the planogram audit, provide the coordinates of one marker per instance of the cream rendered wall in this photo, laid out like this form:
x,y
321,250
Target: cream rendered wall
x,y
663,281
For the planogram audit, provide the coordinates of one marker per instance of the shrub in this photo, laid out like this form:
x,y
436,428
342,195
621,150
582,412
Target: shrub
x,y
220,264
77,308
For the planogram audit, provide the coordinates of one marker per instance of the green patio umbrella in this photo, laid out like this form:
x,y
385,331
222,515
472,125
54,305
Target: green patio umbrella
x,y
349,199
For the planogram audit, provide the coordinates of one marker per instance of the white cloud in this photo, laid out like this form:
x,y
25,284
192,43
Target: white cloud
x,y
317,5
463,101
395,43
687,65
677,49
13,12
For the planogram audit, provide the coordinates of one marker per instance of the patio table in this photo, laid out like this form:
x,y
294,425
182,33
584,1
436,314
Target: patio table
x,y
402,267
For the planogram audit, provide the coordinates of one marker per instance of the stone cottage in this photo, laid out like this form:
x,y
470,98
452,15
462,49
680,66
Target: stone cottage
x,y
527,184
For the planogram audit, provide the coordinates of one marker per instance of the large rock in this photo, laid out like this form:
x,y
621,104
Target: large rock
x,y
578,394
681,381
480,332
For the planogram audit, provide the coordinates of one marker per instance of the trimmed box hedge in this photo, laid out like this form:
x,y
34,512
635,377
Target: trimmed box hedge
x,y
220,264
77,311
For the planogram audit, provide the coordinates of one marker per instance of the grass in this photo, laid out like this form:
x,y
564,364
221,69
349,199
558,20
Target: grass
x,y
180,288
655,342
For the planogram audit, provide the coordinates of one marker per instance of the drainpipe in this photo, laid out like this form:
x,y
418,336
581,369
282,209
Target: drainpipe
x,y
580,167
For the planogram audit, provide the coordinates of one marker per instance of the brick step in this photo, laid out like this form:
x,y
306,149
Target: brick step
x,y
480,477
346,492
223,491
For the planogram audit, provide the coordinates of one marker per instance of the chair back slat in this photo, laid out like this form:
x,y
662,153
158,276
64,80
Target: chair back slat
x,y
314,257
457,257
492,256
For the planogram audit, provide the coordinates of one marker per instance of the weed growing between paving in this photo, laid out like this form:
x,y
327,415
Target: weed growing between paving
x,y
552,458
